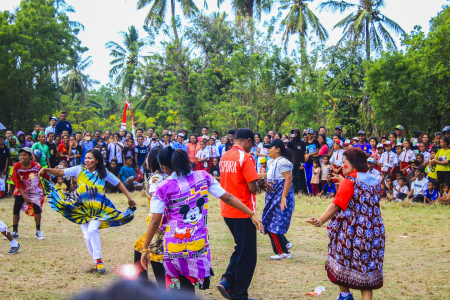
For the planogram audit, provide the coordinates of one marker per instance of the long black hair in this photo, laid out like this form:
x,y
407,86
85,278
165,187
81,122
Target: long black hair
x,y
152,160
100,167
176,160
286,153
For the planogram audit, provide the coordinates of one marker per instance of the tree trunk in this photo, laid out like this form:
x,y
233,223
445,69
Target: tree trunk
x,y
180,121
367,41
58,94
174,26
304,58
249,10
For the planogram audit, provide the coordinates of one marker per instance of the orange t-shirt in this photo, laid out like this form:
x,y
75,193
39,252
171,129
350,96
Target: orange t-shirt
x,y
345,192
237,169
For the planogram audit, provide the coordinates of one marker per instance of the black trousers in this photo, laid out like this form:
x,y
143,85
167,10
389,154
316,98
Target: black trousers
x,y
418,199
242,264
279,243
298,179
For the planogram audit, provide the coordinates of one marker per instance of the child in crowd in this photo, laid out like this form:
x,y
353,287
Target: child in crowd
x,y
372,170
139,174
213,151
326,169
9,180
355,141
60,185
418,186
329,188
263,168
445,199
202,157
398,165
140,154
420,160
102,150
424,152
431,194
215,169
380,150
406,156
384,173
52,148
388,158
128,151
114,169
401,190
431,167
411,175
336,158
398,174
347,144
315,177
128,176
74,152
389,188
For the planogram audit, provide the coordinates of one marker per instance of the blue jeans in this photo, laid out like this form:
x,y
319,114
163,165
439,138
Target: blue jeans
x,y
308,172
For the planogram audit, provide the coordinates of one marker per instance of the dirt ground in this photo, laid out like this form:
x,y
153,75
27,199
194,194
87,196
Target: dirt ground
x,y
416,263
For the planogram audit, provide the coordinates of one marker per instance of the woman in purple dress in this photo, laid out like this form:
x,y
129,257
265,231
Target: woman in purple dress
x,y
180,208
356,229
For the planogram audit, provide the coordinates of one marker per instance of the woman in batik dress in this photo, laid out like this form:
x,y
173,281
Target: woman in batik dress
x,y
181,201
89,206
356,230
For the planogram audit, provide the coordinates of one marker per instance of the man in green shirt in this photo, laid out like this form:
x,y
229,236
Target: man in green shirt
x,y
44,160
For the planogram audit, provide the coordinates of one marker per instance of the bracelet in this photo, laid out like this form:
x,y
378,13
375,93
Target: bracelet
x,y
145,250
252,215
321,223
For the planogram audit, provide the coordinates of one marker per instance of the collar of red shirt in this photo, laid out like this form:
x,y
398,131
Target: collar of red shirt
x,y
238,147
354,174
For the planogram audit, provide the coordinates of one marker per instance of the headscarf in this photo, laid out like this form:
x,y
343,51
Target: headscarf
x,y
17,145
26,143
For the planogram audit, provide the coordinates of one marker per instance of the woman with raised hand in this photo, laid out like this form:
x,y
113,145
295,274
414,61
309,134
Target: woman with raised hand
x,y
89,206
356,229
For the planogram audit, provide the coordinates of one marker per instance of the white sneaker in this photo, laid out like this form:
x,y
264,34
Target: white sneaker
x,y
289,245
281,256
39,235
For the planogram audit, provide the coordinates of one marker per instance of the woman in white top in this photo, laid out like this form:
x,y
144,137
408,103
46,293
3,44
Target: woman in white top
x,y
262,152
336,159
115,150
166,142
279,204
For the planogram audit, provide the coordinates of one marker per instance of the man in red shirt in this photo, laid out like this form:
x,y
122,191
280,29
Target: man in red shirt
x,y
238,176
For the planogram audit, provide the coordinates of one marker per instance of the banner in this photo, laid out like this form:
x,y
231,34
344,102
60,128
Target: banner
x,y
124,118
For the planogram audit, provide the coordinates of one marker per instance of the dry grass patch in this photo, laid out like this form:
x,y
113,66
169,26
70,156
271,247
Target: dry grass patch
x,y
416,267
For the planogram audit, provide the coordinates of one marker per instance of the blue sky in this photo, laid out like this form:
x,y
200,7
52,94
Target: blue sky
x,y
104,19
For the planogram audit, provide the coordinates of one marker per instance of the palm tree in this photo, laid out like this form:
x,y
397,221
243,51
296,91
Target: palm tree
x,y
158,10
126,59
76,81
366,23
301,19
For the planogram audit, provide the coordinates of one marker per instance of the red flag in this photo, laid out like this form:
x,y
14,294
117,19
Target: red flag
x,y
124,117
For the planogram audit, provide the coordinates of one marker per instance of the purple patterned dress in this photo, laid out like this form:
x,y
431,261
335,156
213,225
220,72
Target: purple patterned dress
x,y
357,237
184,203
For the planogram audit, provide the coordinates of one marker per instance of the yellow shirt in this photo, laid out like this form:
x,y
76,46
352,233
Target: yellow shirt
x,y
63,186
443,155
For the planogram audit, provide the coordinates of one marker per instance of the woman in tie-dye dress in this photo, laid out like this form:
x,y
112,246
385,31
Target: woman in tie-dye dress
x,y
89,206
181,201
356,230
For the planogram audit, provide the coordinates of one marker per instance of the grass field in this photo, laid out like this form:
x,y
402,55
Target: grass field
x,y
416,263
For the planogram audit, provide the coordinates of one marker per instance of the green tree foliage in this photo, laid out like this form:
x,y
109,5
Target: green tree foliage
x,y
411,87
33,41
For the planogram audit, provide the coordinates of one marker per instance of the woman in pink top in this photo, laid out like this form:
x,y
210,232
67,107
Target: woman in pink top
x,y
193,148
323,146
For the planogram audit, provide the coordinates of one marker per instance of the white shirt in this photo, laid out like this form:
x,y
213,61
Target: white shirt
x,y
399,189
336,158
50,129
407,156
75,171
213,151
388,159
426,156
419,186
157,207
164,145
2,185
263,151
115,152
202,153
276,168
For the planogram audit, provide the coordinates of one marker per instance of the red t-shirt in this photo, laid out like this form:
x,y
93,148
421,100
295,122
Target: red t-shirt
x,y
345,192
63,149
27,179
237,169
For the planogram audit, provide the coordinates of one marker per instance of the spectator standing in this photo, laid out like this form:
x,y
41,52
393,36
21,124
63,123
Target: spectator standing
x,y
63,124
312,149
44,159
442,164
52,149
399,131
115,150
4,159
52,127
140,153
363,144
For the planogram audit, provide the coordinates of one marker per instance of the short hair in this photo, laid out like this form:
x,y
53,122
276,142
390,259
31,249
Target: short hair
x,y
205,127
140,129
316,161
322,127
431,183
399,172
421,155
50,132
434,150
445,185
140,136
393,133
357,158
63,113
215,131
390,177
402,178
36,124
113,160
128,157
1,137
218,158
